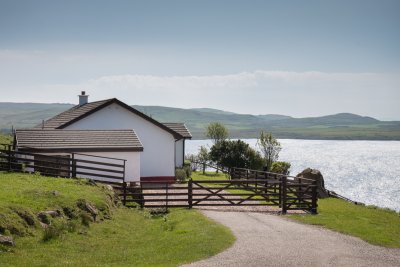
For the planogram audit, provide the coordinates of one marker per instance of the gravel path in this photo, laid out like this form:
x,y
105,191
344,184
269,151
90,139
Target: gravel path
x,y
270,240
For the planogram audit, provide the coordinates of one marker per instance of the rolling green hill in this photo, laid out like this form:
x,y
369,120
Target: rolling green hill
x,y
345,126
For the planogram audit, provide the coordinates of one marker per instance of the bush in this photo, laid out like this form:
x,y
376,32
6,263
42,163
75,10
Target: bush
x,y
180,175
188,171
51,232
281,167
237,154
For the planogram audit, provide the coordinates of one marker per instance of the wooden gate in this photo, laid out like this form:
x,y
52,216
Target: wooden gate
x,y
280,191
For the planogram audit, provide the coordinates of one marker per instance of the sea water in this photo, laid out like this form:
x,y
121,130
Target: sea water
x,y
364,171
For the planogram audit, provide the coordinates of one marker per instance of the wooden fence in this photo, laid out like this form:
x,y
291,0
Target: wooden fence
x,y
102,169
267,189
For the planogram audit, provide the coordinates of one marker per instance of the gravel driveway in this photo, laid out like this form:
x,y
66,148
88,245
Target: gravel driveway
x,y
270,240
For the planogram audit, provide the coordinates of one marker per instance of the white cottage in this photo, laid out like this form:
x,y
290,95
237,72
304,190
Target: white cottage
x,y
163,144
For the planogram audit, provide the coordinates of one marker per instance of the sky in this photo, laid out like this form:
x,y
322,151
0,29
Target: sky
x,y
297,58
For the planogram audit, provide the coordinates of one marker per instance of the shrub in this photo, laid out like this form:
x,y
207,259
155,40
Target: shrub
x,y
237,153
281,167
51,232
180,175
188,171
86,219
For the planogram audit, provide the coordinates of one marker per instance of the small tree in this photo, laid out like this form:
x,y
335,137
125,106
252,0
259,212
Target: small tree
x,y
270,148
203,157
217,132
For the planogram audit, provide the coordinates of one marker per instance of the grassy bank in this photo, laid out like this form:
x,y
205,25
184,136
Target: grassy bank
x,y
374,225
119,236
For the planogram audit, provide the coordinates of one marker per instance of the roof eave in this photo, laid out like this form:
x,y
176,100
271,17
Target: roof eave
x,y
80,149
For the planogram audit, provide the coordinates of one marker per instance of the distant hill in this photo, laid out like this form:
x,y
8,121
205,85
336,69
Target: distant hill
x,y
344,126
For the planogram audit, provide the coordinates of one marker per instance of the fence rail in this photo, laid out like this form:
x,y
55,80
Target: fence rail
x,y
69,165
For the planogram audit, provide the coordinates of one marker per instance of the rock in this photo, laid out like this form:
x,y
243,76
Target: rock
x,y
70,212
43,225
86,206
7,241
56,193
91,209
315,175
52,213
43,216
109,187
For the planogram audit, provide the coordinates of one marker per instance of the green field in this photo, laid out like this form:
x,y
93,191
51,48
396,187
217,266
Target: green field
x,y
119,237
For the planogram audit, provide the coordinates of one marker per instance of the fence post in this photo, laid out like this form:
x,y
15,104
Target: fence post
x,y
190,193
141,196
123,177
283,193
9,158
124,198
314,198
73,166
166,195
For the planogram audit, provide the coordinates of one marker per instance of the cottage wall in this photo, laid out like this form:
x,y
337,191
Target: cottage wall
x,y
158,157
179,153
132,164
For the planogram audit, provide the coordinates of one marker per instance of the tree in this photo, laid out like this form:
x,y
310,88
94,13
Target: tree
x,y
203,157
217,132
229,153
270,148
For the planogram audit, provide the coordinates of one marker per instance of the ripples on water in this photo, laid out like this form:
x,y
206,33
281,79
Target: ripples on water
x,y
365,171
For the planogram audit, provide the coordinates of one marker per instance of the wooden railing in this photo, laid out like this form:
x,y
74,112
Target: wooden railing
x,y
102,169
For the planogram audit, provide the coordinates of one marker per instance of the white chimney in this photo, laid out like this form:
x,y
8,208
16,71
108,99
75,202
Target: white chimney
x,y
83,98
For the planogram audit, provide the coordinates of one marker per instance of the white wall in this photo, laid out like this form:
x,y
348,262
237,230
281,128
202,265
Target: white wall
x,y
158,156
132,165
179,153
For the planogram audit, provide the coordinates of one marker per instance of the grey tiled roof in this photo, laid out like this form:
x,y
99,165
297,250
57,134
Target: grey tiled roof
x,y
72,114
78,140
179,128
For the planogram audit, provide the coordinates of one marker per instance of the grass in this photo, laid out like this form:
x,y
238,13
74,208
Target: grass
x,y
131,237
375,225
5,139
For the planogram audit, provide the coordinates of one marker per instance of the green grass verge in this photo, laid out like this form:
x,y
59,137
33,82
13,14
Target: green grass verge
x,y
374,225
131,237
